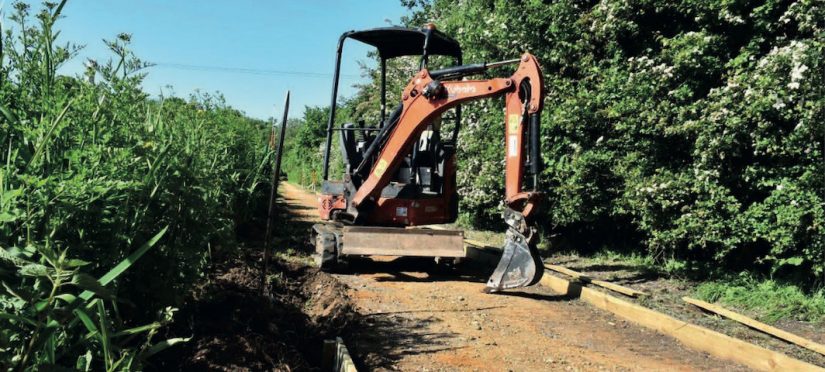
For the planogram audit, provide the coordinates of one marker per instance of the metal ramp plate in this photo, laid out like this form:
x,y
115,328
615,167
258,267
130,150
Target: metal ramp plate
x,y
392,241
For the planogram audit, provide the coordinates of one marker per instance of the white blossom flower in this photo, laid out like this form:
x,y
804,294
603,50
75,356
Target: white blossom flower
x,y
797,72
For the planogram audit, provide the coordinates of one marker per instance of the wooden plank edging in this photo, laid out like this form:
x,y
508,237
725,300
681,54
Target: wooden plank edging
x,y
335,357
601,283
693,336
757,325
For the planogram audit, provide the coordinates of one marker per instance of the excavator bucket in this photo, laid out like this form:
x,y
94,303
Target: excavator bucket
x,y
520,266
520,263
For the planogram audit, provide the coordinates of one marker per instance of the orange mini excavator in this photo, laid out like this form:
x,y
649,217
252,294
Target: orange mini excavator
x,y
401,172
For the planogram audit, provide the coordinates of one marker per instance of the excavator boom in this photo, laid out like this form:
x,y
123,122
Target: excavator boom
x,y
424,99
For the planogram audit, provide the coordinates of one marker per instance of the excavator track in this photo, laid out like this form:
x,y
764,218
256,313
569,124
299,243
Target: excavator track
x,y
326,238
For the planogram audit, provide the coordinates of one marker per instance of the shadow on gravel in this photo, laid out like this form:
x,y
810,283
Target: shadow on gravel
x,y
385,338
292,230
539,296
416,269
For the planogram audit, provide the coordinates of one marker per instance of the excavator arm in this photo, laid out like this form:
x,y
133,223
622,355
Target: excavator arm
x,y
426,97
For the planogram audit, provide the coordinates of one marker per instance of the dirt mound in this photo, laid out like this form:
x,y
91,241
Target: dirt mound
x,y
236,327
326,303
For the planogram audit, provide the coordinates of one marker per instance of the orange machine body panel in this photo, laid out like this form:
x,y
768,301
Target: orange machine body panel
x,y
401,211
395,211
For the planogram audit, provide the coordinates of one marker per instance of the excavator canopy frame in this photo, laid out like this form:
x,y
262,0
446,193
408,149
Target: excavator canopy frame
x,y
391,42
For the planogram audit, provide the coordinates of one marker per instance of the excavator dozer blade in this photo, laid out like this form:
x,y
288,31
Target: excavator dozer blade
x,y
520,265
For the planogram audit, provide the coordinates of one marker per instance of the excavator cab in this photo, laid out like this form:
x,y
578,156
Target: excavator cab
x,y
400,172
423,174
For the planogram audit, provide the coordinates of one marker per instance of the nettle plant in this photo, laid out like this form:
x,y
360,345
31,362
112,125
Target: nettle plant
x,y
57,315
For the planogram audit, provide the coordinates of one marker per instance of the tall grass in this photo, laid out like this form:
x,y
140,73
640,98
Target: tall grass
x,y
768,299
90,168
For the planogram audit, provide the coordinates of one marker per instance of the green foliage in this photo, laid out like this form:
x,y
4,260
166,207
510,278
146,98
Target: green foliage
x,y
305,141
55,312
92,166
696,128
769,300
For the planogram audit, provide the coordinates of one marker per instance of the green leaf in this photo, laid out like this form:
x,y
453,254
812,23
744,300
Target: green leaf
x,y
73,262
7,217
91,286
12,258
50,347
163,345
8,115
84,362
137,330
42,144
127,357
126,263
105,341
86,320
67,297
52,324
18,318
793,261
34,269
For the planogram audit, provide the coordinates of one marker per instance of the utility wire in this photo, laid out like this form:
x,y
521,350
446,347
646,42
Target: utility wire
x,y
250,71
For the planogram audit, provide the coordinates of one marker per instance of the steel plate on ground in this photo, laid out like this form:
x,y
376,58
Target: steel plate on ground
x,y
391,241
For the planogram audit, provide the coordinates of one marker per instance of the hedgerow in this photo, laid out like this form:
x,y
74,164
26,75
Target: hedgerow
x,y
692,128
91,169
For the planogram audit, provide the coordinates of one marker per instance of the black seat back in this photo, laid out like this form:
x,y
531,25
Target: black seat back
x,y
349,151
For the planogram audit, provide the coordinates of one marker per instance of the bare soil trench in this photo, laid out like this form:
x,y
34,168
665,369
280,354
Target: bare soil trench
x,y
411,314
235,327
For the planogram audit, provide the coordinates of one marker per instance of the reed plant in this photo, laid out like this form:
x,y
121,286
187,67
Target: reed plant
x,y
92,167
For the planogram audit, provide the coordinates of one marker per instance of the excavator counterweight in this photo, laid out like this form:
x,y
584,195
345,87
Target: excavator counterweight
x,y
400,172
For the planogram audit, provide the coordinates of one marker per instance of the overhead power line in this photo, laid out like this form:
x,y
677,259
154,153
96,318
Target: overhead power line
x,y
250,71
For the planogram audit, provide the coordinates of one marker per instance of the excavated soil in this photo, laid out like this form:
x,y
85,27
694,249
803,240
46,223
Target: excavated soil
x,y
236,327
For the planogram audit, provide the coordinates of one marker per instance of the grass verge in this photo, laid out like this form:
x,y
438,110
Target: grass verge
x,y
768,299
764,298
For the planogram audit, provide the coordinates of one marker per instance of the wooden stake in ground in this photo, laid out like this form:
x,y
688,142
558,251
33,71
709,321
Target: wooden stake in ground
x,y
273,190
757,325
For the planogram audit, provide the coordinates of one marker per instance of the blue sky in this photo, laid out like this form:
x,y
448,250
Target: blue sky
x,y
297,36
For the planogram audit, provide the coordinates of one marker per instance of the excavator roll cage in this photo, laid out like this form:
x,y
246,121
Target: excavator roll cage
x,y
389,42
